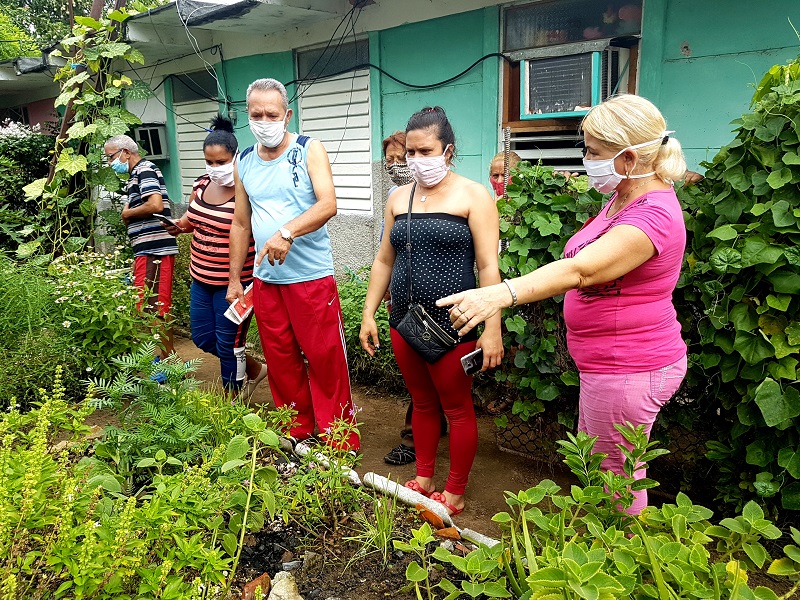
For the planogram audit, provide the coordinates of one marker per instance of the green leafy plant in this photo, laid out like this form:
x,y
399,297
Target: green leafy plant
x,y
375,531
378,370
256,499
154,417
739,296
25,155
319,493
67,531
579,545
96,301
544,208
92,93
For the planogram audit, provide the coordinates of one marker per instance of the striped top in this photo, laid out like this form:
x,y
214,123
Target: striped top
x,y
146,233
211,257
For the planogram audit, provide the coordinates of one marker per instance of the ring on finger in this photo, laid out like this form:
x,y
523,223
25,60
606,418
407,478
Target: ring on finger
x,y
458,308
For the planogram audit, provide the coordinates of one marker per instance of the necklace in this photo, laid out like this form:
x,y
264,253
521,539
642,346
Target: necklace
x,y
424,197
629,192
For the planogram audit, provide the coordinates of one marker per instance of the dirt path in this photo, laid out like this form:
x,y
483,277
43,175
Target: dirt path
x,y
382,417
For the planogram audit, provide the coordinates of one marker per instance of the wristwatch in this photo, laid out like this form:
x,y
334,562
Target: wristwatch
x,y
286,234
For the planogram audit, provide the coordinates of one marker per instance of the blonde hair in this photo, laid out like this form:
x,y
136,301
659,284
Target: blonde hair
x,y
626,120
513,160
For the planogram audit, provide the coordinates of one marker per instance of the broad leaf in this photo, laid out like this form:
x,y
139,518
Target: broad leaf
x,y
753,347
775,406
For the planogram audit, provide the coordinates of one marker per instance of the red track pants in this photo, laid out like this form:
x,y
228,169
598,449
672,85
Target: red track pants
x,y
436,387
306,315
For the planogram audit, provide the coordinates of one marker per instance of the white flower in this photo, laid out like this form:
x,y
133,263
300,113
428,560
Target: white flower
x,y
66,324
89,369
120,308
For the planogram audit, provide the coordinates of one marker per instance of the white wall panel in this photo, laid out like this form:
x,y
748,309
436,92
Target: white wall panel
x,y
336,111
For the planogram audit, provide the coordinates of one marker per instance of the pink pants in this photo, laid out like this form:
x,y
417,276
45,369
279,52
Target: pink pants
x,y
434,388
606,399
306,316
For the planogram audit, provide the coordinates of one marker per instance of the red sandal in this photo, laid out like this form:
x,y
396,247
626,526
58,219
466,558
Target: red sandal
x,y
415,486
441,499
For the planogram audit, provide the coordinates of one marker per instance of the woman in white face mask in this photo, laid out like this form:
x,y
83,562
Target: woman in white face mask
x,y
454,225
209,220
618,274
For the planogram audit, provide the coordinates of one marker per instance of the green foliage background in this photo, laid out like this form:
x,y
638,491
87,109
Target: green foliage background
x,y
742,283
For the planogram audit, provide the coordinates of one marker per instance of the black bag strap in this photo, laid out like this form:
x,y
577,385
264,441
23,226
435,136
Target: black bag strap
x,y
408,241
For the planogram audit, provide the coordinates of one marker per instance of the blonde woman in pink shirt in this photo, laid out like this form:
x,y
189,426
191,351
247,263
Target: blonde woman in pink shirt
x,y
618,274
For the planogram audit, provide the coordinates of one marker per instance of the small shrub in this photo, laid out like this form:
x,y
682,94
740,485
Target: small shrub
x,y
579,544
182,282
96,302
380,370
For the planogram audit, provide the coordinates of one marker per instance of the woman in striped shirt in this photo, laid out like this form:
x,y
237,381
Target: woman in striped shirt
x,y
209,220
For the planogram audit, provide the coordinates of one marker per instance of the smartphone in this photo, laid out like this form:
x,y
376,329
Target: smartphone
x,y
472,362
167,221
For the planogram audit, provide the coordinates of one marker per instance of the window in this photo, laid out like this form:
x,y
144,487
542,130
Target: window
x,y
568,55
564,21
322,62
191,87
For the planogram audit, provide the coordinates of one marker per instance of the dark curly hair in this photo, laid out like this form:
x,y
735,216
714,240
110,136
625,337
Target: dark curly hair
x,y
434,118
222,135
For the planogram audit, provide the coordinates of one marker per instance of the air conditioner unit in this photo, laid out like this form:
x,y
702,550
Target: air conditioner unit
x,y
569,85
153,139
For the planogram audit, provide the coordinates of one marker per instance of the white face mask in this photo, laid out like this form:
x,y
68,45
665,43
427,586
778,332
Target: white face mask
x,y
268,133
428,170
222,175
604,177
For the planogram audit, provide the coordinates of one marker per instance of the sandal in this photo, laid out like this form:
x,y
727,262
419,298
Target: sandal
x,y
415,486
400,455
498,407
441,499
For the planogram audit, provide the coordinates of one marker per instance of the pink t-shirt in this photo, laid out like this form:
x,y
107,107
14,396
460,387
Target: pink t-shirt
x,y
629,325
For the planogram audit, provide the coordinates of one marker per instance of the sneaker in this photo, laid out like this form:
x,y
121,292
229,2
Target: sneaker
x,y
249,388
400,455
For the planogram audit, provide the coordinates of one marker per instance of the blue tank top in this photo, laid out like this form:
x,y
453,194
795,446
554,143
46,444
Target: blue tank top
x,y
280,190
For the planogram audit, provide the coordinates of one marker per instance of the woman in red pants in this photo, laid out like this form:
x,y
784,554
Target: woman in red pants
x,y
454,224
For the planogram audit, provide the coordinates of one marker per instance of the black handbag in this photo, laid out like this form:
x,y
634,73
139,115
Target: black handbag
x,y
418,329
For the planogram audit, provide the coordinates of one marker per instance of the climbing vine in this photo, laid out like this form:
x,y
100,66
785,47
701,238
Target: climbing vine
x,y
91,89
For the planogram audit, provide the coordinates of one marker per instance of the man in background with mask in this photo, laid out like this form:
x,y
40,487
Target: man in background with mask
x,y
284,197
154,249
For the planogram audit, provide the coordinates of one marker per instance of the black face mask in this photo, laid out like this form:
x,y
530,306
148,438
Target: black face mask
x,y
399,173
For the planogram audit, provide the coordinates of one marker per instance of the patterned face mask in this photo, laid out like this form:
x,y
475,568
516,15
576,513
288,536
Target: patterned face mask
x,y
399,173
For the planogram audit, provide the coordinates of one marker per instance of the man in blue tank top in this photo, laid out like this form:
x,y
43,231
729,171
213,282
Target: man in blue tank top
x,y
284,197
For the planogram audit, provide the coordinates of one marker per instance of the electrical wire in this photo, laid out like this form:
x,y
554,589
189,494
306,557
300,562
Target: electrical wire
x,y
352,85
348,15
358,67
196,46
203,127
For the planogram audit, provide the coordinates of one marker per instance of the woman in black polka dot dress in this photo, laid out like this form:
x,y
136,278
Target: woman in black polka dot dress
x,y
454,224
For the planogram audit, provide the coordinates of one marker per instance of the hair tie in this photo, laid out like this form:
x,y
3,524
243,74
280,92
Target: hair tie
x,y
665,137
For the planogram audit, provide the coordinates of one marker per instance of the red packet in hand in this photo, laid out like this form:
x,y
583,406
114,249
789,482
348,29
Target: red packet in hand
x,y
236,311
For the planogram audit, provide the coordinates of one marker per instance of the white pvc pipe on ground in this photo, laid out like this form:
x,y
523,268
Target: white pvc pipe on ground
x,y
405,495
392,488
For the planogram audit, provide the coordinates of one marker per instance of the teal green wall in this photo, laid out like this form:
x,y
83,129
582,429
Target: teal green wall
x,y
432,51
727,47
170,168
240,72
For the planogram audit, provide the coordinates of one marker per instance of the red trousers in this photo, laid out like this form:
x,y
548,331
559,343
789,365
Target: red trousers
x,y
300,320
437,387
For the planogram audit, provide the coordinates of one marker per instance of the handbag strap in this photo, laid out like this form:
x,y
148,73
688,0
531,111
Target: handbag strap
x,y
408,241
